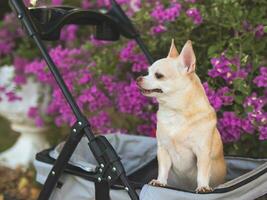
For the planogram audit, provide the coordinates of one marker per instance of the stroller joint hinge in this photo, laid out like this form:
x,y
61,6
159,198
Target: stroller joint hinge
x,y
79,126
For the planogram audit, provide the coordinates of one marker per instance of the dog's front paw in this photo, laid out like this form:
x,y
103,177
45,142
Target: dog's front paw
x,y
155,182
204,189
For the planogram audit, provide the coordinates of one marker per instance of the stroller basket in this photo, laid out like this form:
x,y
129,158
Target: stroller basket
x,y
246,177
139,169
114,166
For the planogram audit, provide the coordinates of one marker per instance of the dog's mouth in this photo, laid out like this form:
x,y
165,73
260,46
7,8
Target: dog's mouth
x,y
145,91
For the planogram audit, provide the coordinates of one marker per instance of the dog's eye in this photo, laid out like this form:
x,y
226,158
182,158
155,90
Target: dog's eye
x,y
159,76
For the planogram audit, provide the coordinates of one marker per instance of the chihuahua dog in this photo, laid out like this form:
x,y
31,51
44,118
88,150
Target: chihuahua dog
x,y
187,137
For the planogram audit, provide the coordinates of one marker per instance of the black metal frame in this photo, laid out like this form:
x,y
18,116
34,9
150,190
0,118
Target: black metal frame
x,y
110,169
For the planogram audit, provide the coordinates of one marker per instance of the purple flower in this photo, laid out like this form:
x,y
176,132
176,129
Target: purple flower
x,y
6,42
73,66
256,102
56,2
20,76
222,68
258,116
11,97
85,78
247,126
161,15
195,15
97,42
101,122
2,89
213,99
150,128
110,85
259,31
127,51
246,25
67,114
158,29
130,100
225,94
230,127
135,5
59,121
86,4
27,2
219,98
139,61
146,129
261,80
39,122
95,98
9,32
33,112
103,3
263,132
69,33
20,79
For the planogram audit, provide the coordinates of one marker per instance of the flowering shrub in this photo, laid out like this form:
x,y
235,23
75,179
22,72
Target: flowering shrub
x,y
8,35
230,42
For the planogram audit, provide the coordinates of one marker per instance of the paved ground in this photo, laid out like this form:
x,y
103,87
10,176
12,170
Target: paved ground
x,y
18,184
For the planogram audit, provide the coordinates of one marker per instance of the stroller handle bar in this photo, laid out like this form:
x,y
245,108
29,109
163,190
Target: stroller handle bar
x,y
109,24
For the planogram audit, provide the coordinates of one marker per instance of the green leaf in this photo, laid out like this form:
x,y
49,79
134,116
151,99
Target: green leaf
x,y
241,86
249,109
238,99
212,50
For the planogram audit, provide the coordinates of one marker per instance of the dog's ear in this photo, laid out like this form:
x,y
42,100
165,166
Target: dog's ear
x,y
173,53
188,57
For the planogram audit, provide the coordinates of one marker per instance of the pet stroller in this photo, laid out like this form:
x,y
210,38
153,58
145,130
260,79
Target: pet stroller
x,y
114,166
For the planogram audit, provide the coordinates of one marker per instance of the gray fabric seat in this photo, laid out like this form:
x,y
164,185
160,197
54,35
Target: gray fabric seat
x,y
247,177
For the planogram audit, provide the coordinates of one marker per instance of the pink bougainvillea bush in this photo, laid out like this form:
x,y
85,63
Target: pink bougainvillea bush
x,y
230,41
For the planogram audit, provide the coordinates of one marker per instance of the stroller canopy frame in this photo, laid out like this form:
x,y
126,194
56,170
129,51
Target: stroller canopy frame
x,y
45,24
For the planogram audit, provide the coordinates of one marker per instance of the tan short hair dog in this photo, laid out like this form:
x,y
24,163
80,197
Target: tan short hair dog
x,y
188,139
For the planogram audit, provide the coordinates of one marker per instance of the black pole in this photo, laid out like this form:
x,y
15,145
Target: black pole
x,y
76,110
60,164
143,47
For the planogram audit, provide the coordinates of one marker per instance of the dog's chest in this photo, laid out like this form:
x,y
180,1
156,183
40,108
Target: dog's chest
x,y
169,126
178,143
171,122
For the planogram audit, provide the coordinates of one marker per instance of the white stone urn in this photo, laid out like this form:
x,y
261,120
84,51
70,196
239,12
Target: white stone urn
x,y
31,139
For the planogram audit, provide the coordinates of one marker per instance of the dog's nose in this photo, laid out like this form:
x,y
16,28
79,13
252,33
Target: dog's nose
x,y
139,79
